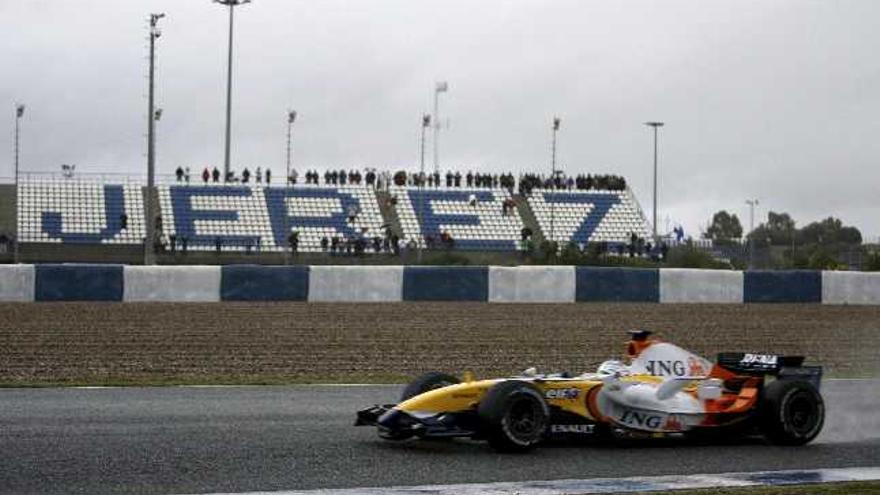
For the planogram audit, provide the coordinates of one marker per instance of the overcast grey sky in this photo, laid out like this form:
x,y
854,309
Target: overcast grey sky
x,y
771,99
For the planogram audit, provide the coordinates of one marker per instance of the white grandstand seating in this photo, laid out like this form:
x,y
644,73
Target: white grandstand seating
x,y
254,216
70,211
588,216
448,210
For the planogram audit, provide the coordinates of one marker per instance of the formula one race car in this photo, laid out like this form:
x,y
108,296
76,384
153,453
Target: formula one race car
x,y
664,391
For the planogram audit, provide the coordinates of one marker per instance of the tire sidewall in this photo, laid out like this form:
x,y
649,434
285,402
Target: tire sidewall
x,y
776,420
495,409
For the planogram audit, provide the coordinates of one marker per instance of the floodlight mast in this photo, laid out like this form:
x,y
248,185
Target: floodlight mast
x,y
291,118
231,4
19,113
426,122
655,125
556,123
152,116
439,87
752,204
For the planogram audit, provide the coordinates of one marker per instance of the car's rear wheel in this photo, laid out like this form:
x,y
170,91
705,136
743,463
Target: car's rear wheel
x,y
514,416
426,382
791,412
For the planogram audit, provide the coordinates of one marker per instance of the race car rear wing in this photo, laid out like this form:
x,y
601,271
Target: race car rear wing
x,y
743,363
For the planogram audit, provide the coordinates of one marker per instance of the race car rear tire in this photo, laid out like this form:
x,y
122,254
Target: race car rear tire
x,y
426,382
513,416
791,412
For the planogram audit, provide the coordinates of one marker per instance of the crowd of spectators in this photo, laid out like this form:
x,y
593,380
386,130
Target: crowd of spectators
x,y
182,174
580,182
523,184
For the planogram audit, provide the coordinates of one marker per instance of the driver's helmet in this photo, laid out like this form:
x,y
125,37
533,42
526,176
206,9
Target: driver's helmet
x,y
611,367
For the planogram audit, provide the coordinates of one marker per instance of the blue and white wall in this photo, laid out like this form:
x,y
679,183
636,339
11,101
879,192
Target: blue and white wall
x,y
526,284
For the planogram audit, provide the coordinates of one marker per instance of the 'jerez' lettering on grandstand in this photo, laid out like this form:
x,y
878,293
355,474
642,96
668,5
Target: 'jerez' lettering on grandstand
x,y
593,207
454,211
77,227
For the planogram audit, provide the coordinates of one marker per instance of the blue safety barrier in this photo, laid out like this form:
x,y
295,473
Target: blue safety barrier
x,y
78,283
617,284
790,286
435,283
264,283
89,282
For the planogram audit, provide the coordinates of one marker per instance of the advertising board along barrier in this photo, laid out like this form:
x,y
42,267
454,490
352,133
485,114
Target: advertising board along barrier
x,y
851,287
532,284
17,283
687,285
172,283
356,284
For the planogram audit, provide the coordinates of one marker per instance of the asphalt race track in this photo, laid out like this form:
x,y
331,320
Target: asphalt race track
x,y
234,439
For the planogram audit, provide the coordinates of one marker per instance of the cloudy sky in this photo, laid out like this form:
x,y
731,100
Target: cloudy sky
x,y
772,99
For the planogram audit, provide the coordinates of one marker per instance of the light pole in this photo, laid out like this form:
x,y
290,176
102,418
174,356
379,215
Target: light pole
x,y
426,122
440,87
752,204
655,125
231,4
291,118
152,116
19,113
556,122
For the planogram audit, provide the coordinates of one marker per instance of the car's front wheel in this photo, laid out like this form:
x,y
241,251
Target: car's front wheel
x,y
514,416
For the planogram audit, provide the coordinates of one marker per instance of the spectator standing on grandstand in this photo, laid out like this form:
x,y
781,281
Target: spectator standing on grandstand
x,y
290,180
216,175
293,240
245,176
179,174
269,176
218,244
353,212
334,244
123,221
184,243
325,242
395,244
206,175
259,174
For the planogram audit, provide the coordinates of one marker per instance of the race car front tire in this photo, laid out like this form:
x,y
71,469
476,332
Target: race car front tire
x,y
791,412
426,382
513,416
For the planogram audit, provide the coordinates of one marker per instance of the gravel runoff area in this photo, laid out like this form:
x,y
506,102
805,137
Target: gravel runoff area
x,y
236,343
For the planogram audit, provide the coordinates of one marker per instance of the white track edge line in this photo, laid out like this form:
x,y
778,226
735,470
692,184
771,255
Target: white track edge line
x,y
610,485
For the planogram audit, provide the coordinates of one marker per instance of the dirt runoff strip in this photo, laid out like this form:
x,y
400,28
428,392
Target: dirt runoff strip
x,y
243,343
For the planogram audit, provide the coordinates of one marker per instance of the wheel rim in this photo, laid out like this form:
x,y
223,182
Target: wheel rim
x,y
802,414
525,419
